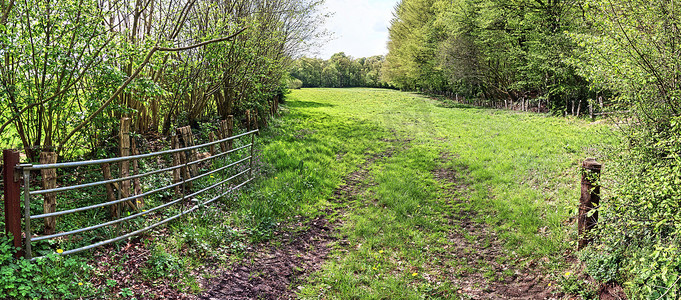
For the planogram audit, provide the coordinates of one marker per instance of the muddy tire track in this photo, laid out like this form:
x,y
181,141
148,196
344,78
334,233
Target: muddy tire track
x,y
481,267
274,272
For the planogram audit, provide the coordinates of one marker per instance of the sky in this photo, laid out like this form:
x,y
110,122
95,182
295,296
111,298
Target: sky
x,y
359,27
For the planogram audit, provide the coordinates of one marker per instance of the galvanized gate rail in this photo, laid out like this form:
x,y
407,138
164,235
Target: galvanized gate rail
x,y
27,168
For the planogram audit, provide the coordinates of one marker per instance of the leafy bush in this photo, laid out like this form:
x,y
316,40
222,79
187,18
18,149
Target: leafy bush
x,y
642,217
162,264
655,273
51,277
602,265
641,220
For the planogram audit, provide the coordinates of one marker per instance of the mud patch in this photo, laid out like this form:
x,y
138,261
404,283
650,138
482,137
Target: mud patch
x,y
477,261
611,291
275,270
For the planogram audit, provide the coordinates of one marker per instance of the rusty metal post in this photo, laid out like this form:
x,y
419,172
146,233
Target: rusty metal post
x,y
12,192
589,201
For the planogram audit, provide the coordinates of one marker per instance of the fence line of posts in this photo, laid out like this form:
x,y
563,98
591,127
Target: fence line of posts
x,y
191,172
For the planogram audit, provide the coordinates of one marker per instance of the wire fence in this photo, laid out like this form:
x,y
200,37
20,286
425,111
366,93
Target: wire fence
x,y
96,208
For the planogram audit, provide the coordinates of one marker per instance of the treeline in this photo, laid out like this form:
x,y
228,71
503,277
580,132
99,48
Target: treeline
x,y
70,70
566,55
339,71
496,51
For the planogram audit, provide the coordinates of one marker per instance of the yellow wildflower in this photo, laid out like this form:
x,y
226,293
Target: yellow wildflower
x,y
414,274
60,251
567,274
380,251
80,283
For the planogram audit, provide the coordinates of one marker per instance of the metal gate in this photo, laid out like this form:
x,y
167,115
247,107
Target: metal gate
x,y
233,168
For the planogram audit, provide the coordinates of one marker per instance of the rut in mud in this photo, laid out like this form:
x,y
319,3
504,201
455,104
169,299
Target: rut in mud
x,y
272,272
482,268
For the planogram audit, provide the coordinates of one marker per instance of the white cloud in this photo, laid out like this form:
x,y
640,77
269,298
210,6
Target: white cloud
x,y
360,27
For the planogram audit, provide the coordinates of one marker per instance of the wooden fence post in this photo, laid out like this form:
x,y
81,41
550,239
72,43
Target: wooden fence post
x,y
110,195
49,180
12,191
589,201
188,140
124,150
175,144
137,185
211,138
184,160
230,131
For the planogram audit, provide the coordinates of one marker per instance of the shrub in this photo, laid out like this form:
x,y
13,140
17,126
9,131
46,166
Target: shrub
x,y
51,277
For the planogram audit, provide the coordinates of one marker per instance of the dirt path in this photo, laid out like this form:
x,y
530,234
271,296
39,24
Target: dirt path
x,y
480,266
482,269
274,271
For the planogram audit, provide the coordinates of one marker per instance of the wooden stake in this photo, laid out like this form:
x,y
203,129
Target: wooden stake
x,y
49,178
211,138
223,135
110,195
589,201
135,170
124,150
230,131
188,141
175,144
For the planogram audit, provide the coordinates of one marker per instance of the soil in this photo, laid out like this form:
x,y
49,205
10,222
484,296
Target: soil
x,y
274,272
481,267
611,291
481,270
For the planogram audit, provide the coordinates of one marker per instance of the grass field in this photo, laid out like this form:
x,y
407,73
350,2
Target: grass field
x,y
516,176
376,194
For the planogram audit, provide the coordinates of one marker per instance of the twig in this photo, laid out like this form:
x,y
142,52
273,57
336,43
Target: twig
x,y
120,89
669,289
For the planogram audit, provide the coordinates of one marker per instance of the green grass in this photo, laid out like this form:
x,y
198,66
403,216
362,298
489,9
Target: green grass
x,y
517,171
521,170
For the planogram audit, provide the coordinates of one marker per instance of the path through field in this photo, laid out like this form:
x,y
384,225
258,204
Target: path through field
x,y
426,199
